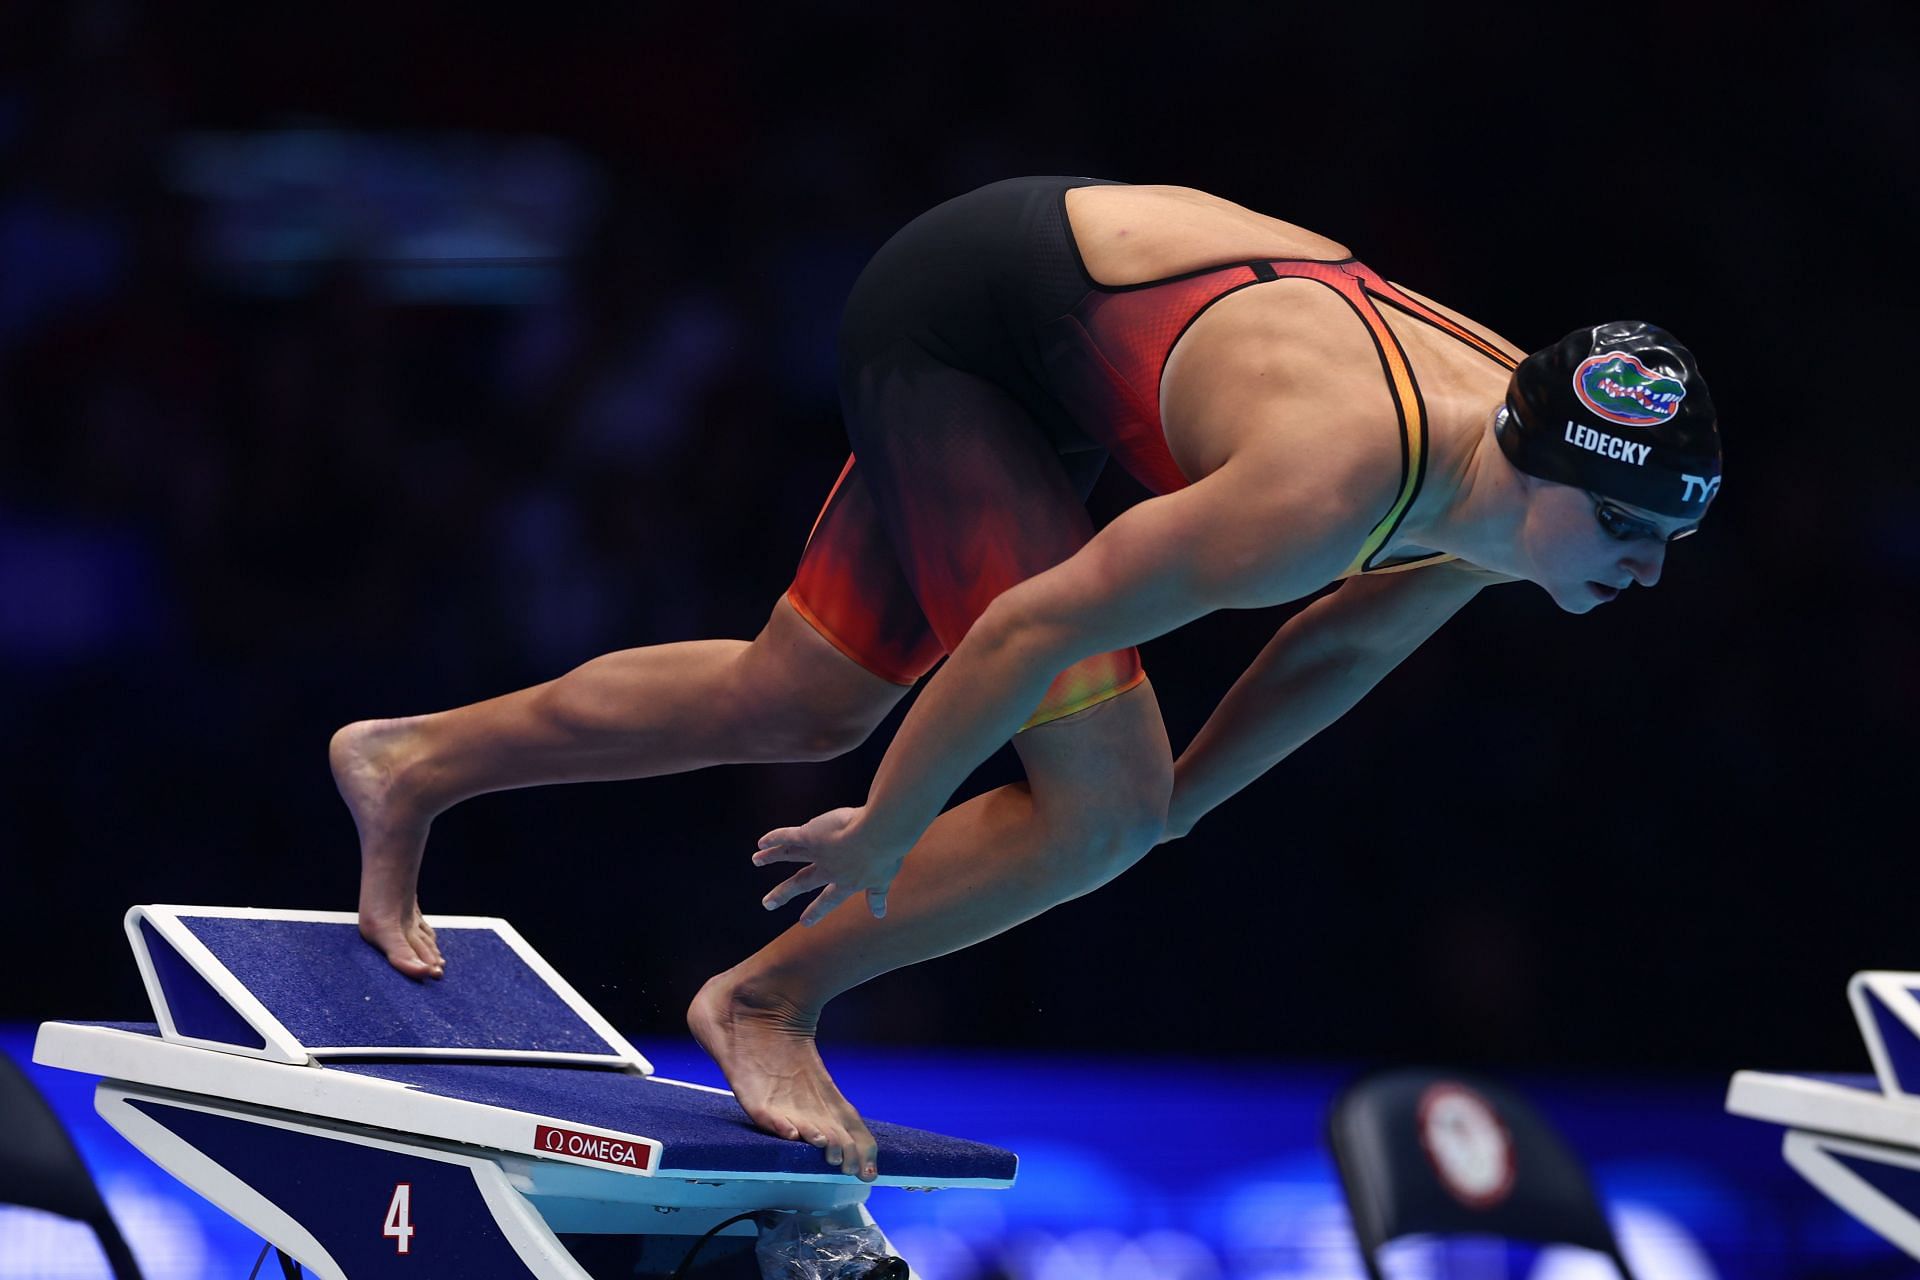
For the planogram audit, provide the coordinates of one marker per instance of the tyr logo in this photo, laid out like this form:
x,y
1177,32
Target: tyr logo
x,y
1706,487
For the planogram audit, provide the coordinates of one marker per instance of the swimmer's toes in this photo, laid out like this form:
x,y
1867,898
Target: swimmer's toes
x,y
403,959
766,1118
861,1153
425,946
774,1123
849,1150
392,942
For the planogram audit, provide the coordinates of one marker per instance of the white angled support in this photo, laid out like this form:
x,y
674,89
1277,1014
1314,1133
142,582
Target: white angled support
x,y
1814,1156
281,1046
1888,1011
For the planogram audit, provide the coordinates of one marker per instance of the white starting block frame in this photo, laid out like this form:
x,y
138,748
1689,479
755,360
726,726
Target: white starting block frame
x,y
367,1124
1856,1137
162,936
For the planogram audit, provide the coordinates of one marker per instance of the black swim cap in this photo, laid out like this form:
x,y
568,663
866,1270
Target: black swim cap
x,y
1621,410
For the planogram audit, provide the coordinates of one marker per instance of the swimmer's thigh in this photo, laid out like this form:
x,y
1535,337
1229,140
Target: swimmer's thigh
x,y
974,497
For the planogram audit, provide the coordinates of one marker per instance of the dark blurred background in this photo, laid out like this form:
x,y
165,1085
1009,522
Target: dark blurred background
x,y
368,359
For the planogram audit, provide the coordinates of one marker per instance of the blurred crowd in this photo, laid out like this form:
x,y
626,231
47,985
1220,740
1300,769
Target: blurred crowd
x,y
232,518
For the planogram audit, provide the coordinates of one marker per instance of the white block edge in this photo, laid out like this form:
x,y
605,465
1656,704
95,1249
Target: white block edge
x,y
310,1089
1799,1102
316,1090
525,1231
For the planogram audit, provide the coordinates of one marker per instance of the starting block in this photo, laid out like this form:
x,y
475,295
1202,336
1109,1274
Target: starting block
x,y
488,1123
1856,1137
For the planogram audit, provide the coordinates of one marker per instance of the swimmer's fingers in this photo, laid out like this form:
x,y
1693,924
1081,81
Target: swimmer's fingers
x,y
834,895
822,907
805,880
798,844
842,861
767,849
768,854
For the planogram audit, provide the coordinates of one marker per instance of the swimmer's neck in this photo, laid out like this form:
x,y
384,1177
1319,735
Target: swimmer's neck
x,y
1473,502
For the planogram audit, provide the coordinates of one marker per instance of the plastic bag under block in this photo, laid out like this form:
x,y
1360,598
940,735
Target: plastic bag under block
x,y
801,1246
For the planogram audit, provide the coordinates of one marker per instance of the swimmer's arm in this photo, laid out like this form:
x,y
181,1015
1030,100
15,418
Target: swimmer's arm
x,y
1322,662
1237,539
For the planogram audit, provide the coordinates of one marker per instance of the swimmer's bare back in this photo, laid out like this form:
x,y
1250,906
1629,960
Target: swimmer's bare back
x,y
1290,336
1128,235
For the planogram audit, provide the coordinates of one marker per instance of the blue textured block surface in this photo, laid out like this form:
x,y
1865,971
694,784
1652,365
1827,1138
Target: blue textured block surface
x,y
1845,1079
331,990
699,1130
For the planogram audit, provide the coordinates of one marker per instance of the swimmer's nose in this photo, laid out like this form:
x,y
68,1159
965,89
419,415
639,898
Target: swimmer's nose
x,y
1645,566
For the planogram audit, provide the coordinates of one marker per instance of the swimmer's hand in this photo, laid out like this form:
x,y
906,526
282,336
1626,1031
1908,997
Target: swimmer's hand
x,y
843,858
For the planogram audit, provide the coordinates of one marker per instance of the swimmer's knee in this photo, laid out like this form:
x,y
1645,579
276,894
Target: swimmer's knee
x,y
1102,782
798,723
791,696
1135,823
1092,857
806,740
1111,833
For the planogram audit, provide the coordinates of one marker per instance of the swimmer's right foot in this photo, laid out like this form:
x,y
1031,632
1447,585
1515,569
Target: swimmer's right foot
x,y
765,1049
369,760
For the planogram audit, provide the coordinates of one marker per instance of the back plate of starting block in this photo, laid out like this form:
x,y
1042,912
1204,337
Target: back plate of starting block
x,y
301,986
1887,1006
1856,1138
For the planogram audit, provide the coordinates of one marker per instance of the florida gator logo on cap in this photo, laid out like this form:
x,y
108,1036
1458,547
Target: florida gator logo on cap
x,y
1621,389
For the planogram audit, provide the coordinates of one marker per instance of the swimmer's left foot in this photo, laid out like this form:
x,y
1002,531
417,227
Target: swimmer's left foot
x,y
764,1046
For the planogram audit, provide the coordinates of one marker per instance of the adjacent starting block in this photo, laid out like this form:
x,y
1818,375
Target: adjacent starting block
x,y
490,1123
1856,1137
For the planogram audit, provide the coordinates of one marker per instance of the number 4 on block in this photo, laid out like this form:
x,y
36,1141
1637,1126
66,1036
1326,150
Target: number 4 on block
x,y
399,1228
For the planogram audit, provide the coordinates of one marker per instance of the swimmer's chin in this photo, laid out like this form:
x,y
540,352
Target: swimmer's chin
x,y
1577,599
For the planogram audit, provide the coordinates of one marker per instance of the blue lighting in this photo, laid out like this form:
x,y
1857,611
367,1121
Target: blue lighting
x,y
1142,1170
